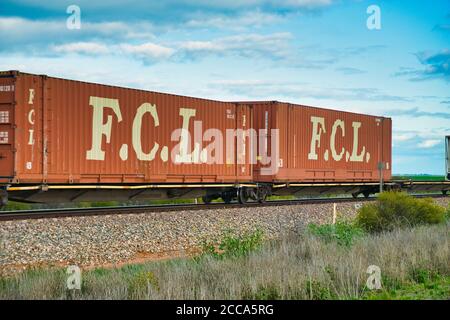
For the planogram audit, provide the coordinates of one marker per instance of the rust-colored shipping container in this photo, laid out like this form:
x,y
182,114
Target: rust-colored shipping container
x,y
321,145
57,131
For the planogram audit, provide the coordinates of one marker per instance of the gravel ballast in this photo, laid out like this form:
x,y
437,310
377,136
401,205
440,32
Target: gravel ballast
x,y
116,239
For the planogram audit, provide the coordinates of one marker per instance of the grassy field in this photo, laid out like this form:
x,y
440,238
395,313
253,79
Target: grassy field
x,y
321,262
419,177
406,240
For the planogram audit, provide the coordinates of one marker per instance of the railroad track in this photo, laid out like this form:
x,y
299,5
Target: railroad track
x,y
79,212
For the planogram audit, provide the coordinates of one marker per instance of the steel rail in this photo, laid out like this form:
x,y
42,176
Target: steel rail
x,y
143,209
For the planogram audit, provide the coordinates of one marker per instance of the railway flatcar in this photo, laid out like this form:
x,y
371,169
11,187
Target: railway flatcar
x,y
64,140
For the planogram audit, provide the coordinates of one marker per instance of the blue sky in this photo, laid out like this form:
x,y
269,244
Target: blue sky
x,y
317,52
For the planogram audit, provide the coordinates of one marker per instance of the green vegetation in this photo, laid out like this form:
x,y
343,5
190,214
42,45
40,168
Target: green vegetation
x,y
279,198
233,245
343,233
419,177
140,282
173,201
98,204
396,209
413,262
14,206
407,239
436,287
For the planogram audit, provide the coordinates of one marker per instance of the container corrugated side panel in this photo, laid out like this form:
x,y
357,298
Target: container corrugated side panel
x,y
29,126
263,119
294,123
387,144
7,122
326,167
69,136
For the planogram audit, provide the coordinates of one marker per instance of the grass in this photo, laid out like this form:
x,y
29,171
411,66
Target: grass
x,y
232,245
15,206
437,288
343,233
419,177
322,263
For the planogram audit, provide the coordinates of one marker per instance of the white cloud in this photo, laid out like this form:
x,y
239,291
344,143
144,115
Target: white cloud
x,y
231,83
274,45
401,137
82,47
294,89
16,31
304,3
16,27
134,24
246,45
250,19
428,144
148,50
201,4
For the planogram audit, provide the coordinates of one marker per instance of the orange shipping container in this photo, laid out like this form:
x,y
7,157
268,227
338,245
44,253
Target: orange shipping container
x,y
321,145
70,132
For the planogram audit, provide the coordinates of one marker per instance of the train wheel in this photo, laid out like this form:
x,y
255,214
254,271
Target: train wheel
x,y
366,195
263,200
262,195
444,192
227,198
242,196
206,200
355,195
